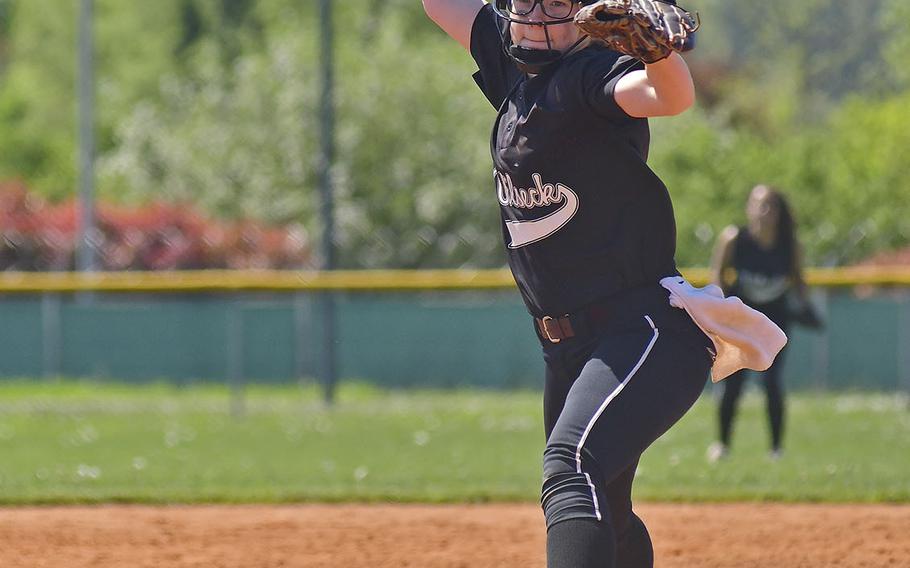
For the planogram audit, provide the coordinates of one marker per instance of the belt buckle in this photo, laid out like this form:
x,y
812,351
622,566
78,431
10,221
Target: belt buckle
x,y
546,329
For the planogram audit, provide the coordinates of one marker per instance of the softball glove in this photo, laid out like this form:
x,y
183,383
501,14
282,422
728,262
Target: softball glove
x,y
649,30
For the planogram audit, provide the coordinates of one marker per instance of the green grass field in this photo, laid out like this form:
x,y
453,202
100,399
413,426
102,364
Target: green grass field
x,y
70,441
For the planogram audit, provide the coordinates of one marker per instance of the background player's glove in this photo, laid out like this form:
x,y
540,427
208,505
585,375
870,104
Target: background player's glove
x,y
649,30
804,313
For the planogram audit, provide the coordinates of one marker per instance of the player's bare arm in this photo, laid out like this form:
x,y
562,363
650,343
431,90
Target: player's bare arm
x,y
654,32
722,258
455,17
796,274
663,88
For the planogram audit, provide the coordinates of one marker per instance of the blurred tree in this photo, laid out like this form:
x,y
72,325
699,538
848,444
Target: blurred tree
x,y
191,26
236,143
6,11
409,193
215,101
894,24
808,54
232,25
867,161
37,97
415,177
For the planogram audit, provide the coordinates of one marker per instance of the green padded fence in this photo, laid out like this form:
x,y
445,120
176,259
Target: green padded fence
x,y
419,338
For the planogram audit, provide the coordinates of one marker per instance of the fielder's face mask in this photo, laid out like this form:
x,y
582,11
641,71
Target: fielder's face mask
x,y
518,11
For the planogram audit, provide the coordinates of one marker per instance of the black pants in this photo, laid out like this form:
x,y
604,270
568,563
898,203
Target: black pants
x,y
609,396
732,386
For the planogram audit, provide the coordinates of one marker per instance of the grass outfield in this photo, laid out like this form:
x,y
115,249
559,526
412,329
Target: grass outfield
x,y
68,442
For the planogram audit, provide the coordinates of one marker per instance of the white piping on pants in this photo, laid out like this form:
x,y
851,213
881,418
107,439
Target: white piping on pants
x,y
603,407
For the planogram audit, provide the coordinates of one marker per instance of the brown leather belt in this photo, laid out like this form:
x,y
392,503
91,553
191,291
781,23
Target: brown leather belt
x,y
590,319
555,329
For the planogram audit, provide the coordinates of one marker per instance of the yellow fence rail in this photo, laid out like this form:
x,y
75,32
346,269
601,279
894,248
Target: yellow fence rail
x,y
360,280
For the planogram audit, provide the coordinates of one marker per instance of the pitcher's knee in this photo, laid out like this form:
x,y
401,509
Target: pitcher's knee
x,y
569,495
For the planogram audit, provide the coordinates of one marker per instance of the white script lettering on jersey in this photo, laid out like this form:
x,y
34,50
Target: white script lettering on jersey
x,y
541,195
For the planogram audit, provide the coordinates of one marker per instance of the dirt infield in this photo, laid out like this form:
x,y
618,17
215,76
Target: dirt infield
x,y
450,536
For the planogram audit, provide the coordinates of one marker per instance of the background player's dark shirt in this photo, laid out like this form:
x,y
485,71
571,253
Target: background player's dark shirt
x,y
560,142
762,275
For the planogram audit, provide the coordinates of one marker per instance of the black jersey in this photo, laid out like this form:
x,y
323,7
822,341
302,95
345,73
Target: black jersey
x,y
763,276
583,216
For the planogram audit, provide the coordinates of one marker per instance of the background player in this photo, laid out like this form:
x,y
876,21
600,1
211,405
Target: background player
x,y
766,257
589,231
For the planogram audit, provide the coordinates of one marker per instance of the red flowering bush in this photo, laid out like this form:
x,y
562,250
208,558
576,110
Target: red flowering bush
x,y
38,235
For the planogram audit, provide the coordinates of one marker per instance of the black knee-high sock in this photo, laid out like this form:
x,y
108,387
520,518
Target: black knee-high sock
x,y
581,543
634,548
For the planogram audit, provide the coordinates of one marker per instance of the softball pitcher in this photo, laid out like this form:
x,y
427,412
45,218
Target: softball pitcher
x,y
589,231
